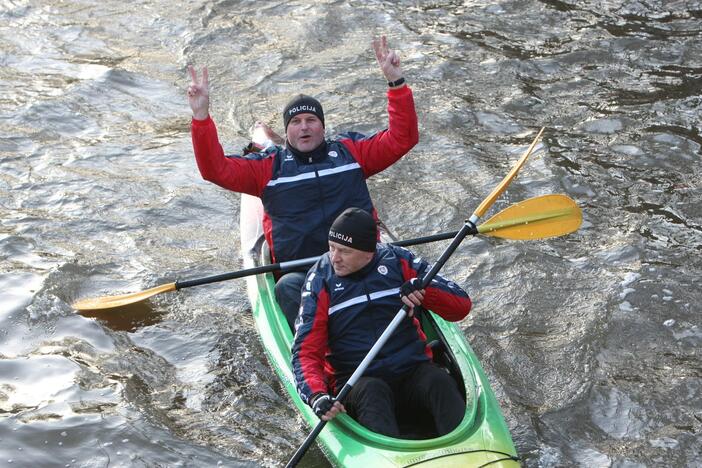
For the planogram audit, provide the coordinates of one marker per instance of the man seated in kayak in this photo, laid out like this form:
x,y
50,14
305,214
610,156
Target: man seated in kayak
x,y
305,184
350,296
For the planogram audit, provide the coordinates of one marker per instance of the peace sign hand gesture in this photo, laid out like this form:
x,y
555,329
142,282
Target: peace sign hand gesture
x,y
199,94
388,59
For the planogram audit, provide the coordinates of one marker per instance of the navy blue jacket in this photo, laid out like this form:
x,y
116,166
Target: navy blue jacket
x,y
303,198
341,318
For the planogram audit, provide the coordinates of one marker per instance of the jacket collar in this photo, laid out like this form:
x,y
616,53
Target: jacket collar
x,y
309,157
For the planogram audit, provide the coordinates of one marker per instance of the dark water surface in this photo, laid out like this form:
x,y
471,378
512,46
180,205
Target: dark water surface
x,y
591,341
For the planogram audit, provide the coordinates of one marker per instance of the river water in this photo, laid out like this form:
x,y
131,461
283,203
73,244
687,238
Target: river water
x,y
591,341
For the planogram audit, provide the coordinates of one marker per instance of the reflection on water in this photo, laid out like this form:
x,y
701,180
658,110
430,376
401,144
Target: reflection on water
x,y
126,318
591,341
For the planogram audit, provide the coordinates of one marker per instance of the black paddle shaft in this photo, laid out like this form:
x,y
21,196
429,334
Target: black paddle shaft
x,y
294,264
468,228
282,266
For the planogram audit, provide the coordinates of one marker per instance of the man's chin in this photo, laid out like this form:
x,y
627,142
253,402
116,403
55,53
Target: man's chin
x,y
305,147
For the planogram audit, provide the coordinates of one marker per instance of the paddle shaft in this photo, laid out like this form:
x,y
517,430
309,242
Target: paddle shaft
x,y
282,266
468,228
294,264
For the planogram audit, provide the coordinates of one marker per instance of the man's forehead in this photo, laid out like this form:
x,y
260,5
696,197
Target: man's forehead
x,y
305,115
342,247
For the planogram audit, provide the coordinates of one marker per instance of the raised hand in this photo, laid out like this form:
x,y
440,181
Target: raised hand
x,y
388,59
199,94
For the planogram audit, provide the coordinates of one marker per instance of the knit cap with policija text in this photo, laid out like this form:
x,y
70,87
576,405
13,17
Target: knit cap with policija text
x,y
355,228
302,104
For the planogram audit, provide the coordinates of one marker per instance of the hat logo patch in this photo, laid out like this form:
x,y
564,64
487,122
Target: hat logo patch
x,y
341,237
302,108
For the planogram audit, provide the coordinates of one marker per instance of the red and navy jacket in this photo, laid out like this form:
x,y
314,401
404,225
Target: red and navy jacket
x,y
301,199
341,318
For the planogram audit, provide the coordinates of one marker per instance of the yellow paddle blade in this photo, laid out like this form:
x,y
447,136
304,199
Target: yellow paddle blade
x,y
497,191
108,302
535,218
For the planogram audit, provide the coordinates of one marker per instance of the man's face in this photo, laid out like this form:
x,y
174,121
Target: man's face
x,y
346,260
305,132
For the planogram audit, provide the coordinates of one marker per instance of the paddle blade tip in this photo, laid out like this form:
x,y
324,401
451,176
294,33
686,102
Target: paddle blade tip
x,y
99,303
111,302
85,304
540,217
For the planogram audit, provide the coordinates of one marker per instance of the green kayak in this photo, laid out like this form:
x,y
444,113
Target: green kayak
x,y
482,438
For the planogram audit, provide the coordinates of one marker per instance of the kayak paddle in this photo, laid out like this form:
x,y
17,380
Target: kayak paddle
x,y
535,218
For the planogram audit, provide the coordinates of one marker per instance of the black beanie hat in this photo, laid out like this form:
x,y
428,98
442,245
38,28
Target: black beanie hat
x,y
355,228
302,104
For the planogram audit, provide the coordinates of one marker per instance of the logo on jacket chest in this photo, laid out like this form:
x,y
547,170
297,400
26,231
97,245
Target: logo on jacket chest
x,y
338,287
383,270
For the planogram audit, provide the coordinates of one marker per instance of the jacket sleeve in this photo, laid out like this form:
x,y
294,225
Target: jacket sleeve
x,y
443,297
310,345
241,174
379,151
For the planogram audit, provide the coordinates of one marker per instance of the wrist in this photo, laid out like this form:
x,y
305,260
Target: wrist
x,y
396,83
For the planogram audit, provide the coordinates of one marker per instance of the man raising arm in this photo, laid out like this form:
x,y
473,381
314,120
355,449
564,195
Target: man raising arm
x,y
305,184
